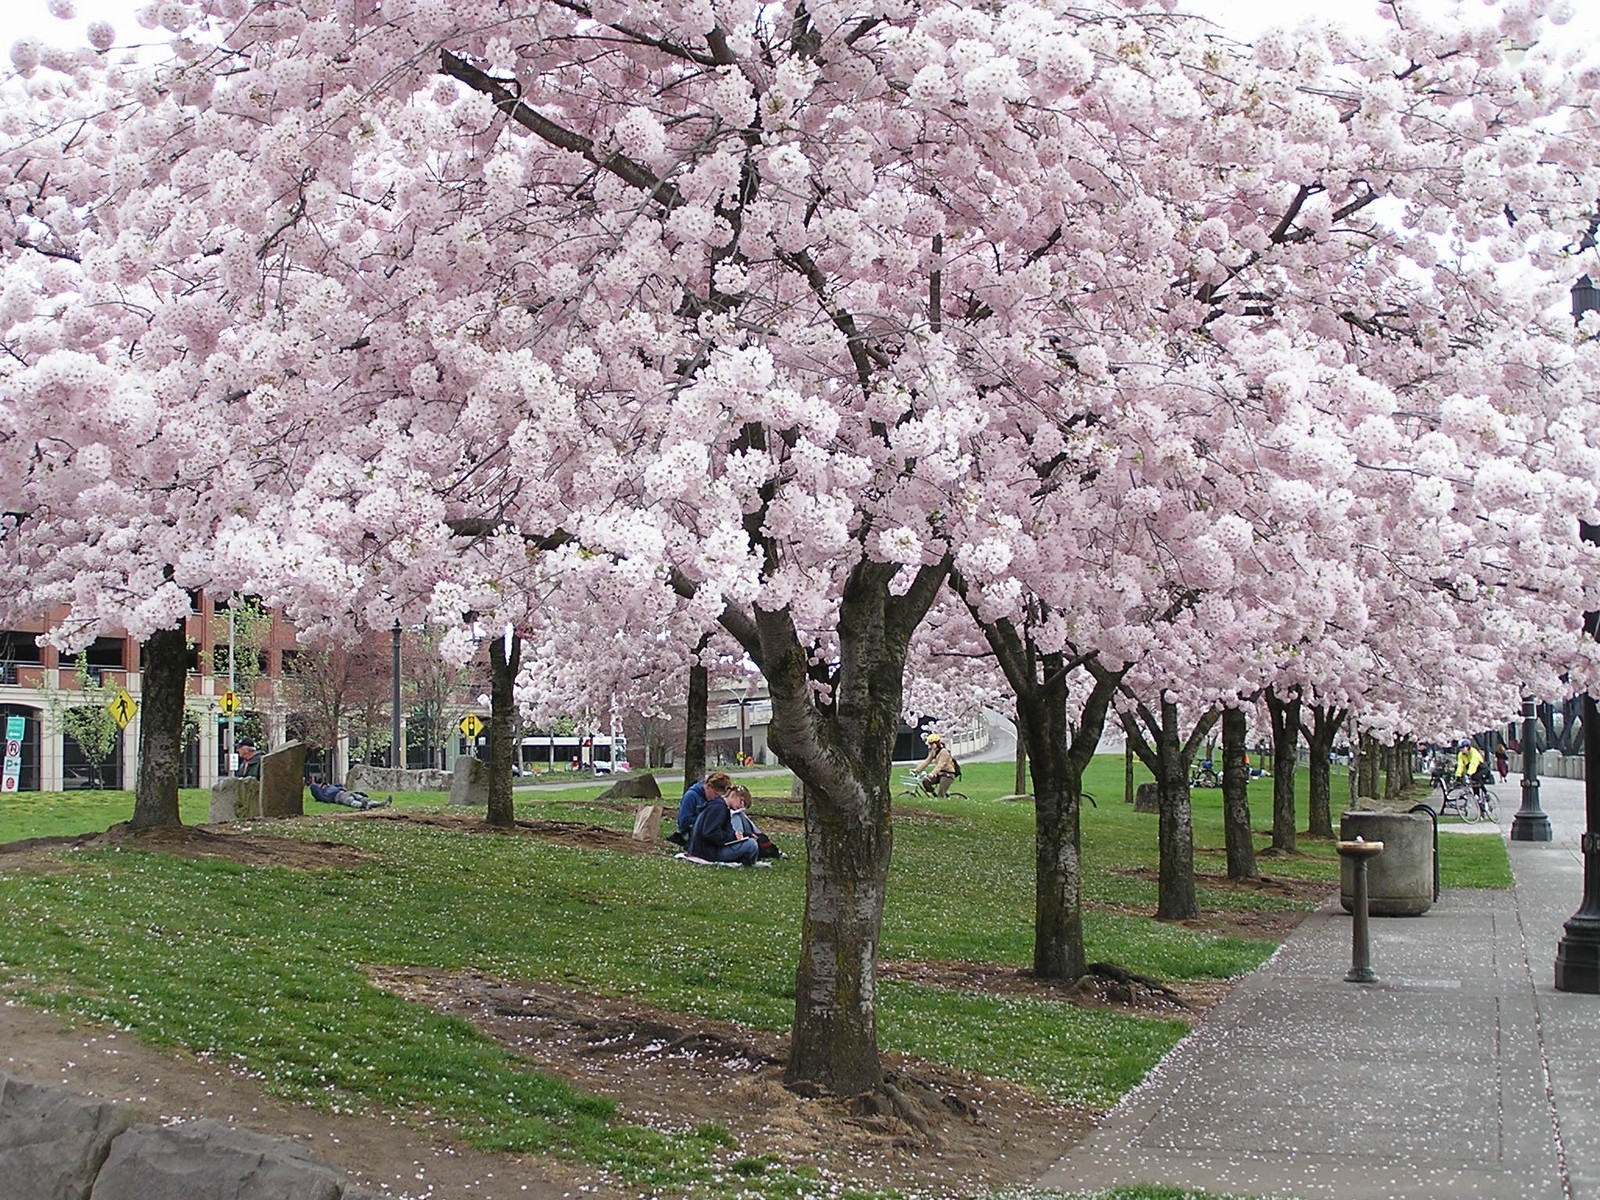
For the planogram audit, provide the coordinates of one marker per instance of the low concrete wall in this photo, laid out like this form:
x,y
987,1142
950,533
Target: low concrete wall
x,y
373,780
55,1145
1552,765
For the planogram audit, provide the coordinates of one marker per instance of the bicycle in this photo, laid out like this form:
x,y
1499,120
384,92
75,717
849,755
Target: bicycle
x,y
1204,777
1469,799
916,785
1481,799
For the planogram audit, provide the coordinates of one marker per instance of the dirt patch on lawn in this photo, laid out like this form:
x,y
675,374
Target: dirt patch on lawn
x,y
1275,924
239,844
965,1134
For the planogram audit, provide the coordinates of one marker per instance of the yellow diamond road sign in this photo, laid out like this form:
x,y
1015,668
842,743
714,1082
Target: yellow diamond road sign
x,y
122,708
229,704
471,725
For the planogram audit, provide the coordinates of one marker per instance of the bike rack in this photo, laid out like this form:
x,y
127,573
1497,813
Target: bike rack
x,y
1428,808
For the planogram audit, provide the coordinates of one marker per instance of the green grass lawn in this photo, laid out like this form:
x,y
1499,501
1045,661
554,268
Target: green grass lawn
x,y
263,967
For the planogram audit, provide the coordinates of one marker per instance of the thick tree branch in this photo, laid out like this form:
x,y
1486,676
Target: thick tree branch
x,y
633,173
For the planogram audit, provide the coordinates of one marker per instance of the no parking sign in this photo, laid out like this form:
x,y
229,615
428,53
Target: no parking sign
x,y
16,729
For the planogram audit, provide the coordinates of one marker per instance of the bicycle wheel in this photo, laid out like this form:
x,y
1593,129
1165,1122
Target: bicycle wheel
x,y
1469,807
1491,806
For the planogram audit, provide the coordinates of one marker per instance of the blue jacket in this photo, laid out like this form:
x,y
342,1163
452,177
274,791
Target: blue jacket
x,y
713,830
689,807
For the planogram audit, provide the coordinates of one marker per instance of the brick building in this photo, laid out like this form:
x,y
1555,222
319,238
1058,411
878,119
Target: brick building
x,y
37,684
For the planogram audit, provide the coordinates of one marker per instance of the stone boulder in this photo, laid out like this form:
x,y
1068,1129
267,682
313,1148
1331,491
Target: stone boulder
x,y
283,781
633,787
471,782
235,800
203,1160
647,823
1146,798
52,1142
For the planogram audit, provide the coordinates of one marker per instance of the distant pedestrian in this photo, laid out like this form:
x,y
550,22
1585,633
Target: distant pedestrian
x,y
249,759
1501,764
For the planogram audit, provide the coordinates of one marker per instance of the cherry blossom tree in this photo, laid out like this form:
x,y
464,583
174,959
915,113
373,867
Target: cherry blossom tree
x,y
419,309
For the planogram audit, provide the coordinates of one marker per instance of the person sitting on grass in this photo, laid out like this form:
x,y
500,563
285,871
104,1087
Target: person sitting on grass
x,y
743,822
332,793
714,837
715,784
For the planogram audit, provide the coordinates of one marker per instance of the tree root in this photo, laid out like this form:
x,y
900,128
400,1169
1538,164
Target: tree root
x,y
1121,986
906,1108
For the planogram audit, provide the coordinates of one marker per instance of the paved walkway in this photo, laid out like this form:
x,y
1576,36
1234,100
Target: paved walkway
x,y
1462,1073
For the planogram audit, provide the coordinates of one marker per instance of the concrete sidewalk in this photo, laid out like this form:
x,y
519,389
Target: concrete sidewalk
x,y
1462,1073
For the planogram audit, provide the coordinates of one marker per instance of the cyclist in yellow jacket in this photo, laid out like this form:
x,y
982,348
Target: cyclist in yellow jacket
x,y
1469,760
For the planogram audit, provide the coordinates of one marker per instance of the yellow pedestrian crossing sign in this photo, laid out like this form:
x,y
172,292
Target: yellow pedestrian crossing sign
x,y
471,725
122,708
229,703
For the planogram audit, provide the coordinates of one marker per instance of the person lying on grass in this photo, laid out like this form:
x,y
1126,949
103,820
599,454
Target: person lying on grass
x,y
332,793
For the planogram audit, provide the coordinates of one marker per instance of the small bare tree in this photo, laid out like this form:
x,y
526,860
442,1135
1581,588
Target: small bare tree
x,y
341,691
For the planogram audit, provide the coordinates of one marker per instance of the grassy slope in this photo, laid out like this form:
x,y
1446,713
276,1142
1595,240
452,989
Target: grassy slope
x,y
263,966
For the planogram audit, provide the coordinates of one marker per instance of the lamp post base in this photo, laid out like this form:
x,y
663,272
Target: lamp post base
x,y
1531,827
1530,823
1578,955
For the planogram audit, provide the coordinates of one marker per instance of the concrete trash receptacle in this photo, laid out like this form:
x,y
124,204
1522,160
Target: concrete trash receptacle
x,y
1400,880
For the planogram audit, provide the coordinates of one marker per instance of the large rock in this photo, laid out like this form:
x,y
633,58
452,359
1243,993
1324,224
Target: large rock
x,y
52,1143
235,800
373,780
647,823
633,787
471,783
283,781
1147,798
205,1160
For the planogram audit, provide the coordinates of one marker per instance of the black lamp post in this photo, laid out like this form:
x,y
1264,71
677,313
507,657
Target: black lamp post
x,y
396,753
1578,955
1530,824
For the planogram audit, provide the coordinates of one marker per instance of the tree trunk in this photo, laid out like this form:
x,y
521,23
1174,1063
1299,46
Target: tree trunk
x,y
502,729
166,663
1319,737
1285,716
1059,757
1397,778
1168,759
1367,780
1021,788
694,731
1175,900
1236,832
840,744
1127,773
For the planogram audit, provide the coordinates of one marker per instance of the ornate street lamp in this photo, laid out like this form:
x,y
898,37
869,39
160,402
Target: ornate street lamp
x,y
1530,824
1578,955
